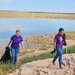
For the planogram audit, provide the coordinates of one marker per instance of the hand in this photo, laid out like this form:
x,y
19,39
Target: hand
x,y
7,46
23,47
54,50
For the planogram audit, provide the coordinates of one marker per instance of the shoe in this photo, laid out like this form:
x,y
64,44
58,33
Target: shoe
x,y
53,62
61,67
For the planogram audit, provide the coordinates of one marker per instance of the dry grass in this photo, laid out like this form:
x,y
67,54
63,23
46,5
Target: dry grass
x,y
46,40
35,15
70,35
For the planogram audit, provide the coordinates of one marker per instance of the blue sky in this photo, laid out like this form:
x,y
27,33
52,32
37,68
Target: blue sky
x,y
64,6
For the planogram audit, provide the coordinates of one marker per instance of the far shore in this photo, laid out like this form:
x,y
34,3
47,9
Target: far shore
x,y
7,14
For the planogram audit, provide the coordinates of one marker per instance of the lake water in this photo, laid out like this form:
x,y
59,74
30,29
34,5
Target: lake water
x,y
31,27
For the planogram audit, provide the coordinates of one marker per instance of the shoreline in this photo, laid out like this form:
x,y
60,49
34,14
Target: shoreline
x,y
37,15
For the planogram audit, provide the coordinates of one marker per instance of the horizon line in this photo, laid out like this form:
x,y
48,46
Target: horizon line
x,y
35,12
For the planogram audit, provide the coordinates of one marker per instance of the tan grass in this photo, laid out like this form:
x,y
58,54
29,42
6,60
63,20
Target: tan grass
x,y
35,15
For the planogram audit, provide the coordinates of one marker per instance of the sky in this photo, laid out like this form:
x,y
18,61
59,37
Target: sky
x,y
62,6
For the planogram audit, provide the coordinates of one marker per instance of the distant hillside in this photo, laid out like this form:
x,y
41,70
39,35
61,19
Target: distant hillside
x,y
23,14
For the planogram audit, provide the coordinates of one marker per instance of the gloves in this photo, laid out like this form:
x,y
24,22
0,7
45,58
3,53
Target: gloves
x,y
53,51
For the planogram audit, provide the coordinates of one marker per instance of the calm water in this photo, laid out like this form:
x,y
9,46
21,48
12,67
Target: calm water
x,y
32,27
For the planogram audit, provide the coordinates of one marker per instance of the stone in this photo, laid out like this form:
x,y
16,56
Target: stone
x,y
45,67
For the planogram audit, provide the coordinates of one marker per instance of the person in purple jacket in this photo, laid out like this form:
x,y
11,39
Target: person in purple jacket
x,y
15,42
58,44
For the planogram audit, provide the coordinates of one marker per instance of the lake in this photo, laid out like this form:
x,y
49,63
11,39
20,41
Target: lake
x,y
30,27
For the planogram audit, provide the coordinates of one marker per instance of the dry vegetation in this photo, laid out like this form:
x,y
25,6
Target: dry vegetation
x,y
35,15
46,40
70,35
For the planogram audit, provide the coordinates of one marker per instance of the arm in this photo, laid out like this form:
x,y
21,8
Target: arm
x,y
54,48
54,44
64,40
9,43
22,44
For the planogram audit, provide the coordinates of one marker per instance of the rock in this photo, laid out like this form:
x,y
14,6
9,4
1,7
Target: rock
x,y
68,72
73,71
37,72
45,67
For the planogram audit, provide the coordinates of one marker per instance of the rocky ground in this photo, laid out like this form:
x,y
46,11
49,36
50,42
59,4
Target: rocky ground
x,y
45,67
